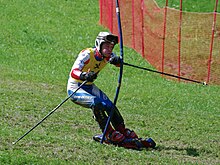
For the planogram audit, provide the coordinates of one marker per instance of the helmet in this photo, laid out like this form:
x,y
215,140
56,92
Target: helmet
x,y
105,37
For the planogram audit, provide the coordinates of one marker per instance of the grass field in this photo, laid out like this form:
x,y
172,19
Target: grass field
x,y
39,41
192,6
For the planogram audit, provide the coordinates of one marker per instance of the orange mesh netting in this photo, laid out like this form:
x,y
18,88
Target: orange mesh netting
x,y
174,42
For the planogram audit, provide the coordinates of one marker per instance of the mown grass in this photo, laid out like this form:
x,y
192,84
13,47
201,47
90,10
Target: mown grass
x,y
39,42
192,6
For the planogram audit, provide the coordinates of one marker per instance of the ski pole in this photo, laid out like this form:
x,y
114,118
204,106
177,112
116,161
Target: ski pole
x,y
167,74
59,105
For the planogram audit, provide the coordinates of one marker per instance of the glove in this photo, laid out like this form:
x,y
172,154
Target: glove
x,y
115,60
89,76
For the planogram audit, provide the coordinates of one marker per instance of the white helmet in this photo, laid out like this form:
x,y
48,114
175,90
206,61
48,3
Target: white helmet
x,y
105,37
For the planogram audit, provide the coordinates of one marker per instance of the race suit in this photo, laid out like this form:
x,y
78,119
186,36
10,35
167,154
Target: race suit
x,y
89,95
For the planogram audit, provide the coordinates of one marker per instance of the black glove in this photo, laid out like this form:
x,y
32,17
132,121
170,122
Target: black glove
x,y
115,60
89,76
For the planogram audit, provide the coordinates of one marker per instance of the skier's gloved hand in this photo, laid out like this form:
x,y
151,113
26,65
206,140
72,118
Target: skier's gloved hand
x,y
89,76
115,60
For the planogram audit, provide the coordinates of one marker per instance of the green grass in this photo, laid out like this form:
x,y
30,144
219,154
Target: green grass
x,y
39,41
192,6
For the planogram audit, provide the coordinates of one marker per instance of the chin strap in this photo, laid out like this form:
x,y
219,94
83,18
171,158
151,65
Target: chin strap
x,y
121,70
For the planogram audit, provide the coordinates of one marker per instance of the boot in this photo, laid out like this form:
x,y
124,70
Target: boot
x,y
118,139
138,143
115,137
126,132
112,136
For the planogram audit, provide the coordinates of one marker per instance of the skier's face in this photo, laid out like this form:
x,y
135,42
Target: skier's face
x,y
107,49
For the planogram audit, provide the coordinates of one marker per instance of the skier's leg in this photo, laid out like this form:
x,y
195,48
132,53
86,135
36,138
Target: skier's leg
x,y
112,136
118,123
92,97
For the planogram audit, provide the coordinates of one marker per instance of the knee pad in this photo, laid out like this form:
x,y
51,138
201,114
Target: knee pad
x,y
100,116
99,111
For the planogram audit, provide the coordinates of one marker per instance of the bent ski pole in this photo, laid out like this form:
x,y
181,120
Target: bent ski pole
x,y
50,113
167,74
121,70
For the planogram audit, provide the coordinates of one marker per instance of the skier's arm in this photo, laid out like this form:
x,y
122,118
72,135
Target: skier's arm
x,y
82,59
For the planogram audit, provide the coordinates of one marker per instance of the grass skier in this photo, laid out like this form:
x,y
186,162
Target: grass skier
x,y
87,66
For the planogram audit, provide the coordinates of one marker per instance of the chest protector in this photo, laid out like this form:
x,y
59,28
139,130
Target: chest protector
x,y
94,64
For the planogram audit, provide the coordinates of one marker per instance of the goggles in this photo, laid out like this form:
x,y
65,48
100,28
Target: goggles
x,y
110,38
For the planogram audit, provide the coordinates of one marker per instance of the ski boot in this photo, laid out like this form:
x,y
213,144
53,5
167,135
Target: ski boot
x,y
114,137
129,143
126,132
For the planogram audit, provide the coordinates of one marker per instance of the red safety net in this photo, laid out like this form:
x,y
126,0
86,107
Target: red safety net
x,y
185,44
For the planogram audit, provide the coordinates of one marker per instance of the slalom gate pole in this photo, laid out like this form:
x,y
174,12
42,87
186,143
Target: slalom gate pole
x,y
49,113
120,74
